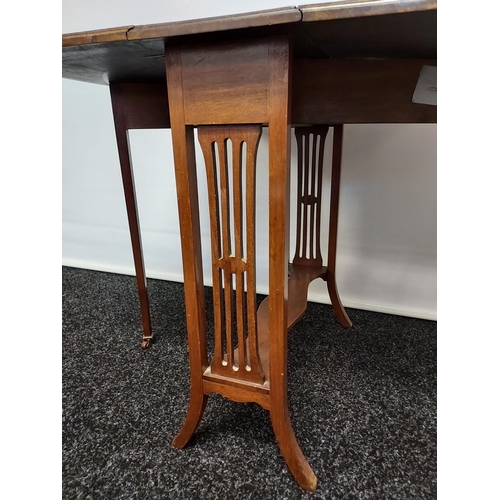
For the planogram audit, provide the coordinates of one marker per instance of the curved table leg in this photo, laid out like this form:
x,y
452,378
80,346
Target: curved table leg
x,y
332,237
197,404
223,116
290,449
279,179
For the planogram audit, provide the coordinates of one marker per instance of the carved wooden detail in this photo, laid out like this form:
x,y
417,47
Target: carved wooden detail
x,y
310,156
230,156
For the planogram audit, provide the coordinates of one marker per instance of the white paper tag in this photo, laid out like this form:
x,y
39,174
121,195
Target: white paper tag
x,y
426,89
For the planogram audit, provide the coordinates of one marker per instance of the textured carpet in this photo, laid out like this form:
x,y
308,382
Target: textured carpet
x,y
362,403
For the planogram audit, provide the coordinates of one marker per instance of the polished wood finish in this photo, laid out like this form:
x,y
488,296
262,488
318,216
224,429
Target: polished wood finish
x,y
327,92
356,61
189,221
279,159
298,283
310,157
213,77
269,17
233,248
142,105
338,134
96,36
122,114
362,8
399,29
324,92
407,35
215,94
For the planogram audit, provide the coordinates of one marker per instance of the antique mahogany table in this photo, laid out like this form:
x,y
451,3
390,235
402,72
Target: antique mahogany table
x,y
311,67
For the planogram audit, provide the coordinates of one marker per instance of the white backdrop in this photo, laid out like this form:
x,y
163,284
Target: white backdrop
x,y
387,228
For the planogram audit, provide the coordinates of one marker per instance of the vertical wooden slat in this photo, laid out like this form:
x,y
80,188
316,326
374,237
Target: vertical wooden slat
x,y
252,143
224,195
240,321
304,193
226,249
237,199
189,221
238,250
300,168
311,194
208,148
321,135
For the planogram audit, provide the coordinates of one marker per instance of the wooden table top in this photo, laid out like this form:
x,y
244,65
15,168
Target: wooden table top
x,y
344,29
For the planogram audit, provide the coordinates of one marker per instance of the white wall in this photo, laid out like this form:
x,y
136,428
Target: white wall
x,y
387,229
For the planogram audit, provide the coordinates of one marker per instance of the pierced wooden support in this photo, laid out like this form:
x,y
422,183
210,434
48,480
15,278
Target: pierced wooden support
x,y
310,155
231,185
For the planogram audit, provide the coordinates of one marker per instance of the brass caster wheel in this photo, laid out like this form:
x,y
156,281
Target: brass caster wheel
x,y
146,343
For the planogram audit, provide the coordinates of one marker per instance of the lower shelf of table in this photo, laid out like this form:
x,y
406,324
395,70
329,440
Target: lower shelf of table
x,y
299,280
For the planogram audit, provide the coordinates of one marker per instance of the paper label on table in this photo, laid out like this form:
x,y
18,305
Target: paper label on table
x,y
426,89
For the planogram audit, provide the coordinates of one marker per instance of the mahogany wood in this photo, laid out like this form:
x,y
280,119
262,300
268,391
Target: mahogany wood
x,y
225,87
338,132
342,9
269,17
310,157
187,197
298,282
401,35
324,92
96,36
143,105
233,252
279,147
230,87
267,20
121,117
212,78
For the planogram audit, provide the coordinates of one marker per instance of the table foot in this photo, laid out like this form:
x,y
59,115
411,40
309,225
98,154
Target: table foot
x,y
290,449
338,308
229,104
197,405
146,343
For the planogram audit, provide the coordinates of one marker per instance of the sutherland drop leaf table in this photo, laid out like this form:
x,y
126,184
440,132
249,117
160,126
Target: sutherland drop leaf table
x,y
311,67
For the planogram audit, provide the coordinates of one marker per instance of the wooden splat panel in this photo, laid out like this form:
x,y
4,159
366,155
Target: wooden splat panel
x,y
231,194
310,157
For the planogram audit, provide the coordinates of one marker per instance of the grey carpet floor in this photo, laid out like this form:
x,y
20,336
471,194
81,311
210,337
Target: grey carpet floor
x,y
362,403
